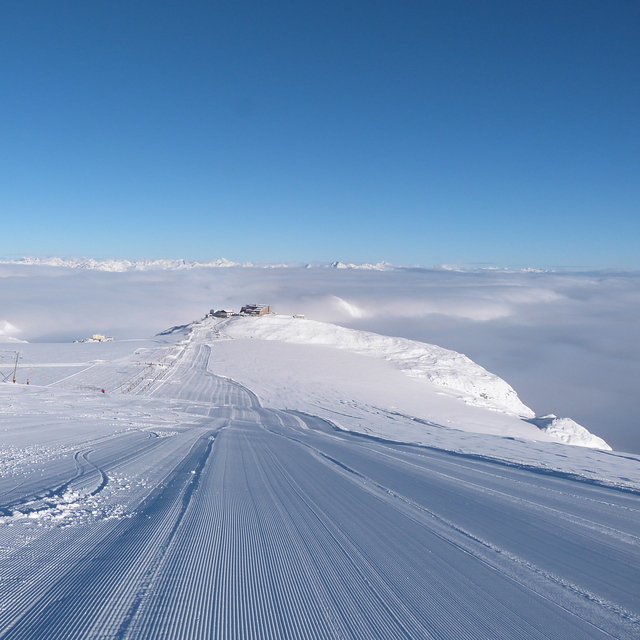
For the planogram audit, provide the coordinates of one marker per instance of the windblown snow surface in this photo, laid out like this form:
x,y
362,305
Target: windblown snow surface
x,y
281,478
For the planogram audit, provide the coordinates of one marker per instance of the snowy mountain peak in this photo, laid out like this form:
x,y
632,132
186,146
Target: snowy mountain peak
x,y
119,265
150,265
380,266
123,265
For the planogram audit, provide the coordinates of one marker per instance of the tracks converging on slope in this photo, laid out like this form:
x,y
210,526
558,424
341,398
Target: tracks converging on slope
x,y
268,524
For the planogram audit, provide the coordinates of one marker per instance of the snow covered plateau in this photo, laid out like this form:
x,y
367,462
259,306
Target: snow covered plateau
x,y
278,477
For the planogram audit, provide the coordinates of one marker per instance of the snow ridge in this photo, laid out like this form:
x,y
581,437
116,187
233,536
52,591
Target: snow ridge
x,y
443,367
451,372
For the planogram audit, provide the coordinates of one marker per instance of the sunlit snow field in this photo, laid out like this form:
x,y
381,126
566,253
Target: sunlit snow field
x,y
567,342
282,478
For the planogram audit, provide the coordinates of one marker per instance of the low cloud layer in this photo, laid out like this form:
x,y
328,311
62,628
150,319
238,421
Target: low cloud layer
x,y
568,343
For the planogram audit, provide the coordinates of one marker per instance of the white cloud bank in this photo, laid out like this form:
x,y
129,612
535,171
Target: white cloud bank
x,y
568,343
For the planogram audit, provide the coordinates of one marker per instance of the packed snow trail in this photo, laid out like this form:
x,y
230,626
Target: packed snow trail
x,y
255,536
270,524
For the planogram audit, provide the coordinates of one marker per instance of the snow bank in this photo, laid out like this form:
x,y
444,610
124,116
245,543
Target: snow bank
x,y
448,369
570,432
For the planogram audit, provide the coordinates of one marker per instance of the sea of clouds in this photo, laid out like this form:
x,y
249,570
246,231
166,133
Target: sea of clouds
x,y
569,343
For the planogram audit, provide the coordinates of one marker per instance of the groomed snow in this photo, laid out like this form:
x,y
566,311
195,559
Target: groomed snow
x,y
328,495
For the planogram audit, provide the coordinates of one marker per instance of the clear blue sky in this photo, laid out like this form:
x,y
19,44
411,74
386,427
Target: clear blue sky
x,y
422,132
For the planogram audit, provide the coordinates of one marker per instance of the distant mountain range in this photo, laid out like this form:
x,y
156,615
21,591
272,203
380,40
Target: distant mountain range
x,y
150,265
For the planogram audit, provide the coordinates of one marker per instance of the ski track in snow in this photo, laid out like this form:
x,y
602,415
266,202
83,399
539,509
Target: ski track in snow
x,y
249,522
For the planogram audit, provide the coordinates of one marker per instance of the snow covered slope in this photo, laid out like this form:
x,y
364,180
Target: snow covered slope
x,y
143,494
443,367
444,377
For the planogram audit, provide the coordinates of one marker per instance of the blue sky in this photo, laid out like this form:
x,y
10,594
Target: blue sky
x,y
415,132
